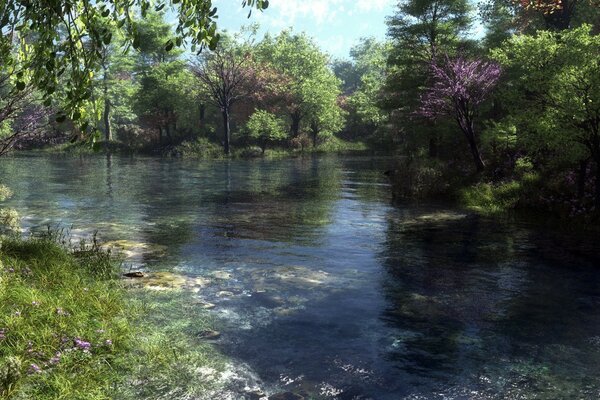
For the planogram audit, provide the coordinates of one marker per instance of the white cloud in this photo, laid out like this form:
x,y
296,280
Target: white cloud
x,y
373,5
320,10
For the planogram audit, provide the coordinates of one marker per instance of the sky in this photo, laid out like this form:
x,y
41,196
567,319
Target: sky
x,y
336,25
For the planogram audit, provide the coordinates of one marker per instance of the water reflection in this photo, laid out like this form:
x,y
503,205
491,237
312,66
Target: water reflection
x,y
320,287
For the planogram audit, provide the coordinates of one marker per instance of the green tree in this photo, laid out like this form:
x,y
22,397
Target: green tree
x,y
311,82
554,94
227,74
265,128
66,38
419,31
369,61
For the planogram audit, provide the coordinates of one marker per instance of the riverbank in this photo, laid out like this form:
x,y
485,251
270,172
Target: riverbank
x,y
69,329
206,150
543,197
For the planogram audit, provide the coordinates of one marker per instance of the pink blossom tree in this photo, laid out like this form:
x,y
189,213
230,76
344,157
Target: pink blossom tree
x,y
457,89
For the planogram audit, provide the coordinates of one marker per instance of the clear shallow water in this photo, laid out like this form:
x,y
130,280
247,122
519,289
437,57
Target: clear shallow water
x,y
321,286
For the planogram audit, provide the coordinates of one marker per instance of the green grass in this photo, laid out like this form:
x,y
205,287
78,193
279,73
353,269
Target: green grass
x,y
69,330
489,199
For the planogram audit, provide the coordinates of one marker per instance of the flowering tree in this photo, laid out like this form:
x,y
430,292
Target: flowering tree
x,y
457,89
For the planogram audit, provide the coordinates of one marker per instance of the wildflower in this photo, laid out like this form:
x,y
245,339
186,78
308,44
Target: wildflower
x,y
34,369
108,342
2,333
99,330
35,303
17,313
56,359
82,344
60,311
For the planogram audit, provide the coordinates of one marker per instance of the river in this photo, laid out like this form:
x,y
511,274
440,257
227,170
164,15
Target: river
x,y
321,286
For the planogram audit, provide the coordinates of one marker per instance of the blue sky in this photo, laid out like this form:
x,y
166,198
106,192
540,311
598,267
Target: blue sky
x,y
336,25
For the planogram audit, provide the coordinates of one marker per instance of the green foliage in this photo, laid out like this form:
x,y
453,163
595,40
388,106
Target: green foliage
x,y
312,88
200,148
554,95
265,128
369,64
487,198
70,35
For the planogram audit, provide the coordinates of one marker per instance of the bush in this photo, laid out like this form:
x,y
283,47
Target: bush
x,y
487,198
199,148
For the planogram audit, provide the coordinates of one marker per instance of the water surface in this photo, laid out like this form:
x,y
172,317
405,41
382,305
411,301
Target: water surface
x,y
322,287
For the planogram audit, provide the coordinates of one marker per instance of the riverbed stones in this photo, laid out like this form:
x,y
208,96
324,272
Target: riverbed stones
x,y
255,394
204,304
134,274
286,396
225,293
223,275
209,335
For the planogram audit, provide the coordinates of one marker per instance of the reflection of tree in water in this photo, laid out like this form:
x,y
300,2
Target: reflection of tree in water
x,y
468,298
277,200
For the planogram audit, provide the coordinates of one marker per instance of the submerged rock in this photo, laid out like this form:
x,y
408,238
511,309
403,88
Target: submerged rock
x,y
209,335
224,275
286,396
204,304
135,274
165,280
133,249
255,394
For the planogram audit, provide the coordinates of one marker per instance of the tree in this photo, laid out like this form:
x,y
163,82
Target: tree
x,y
161,89
265,128
67,37
226,74
21,113
369,63
419,31
310,82
458,88
554,94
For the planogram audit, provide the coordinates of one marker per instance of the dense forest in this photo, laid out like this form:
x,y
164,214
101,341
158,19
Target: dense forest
x,y
507,117
517,104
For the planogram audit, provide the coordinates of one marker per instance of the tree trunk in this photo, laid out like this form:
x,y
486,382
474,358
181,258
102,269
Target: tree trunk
x,y
581,178
168,131
106,115
315,134
470,133
295,127
433,147
226,131
202,115
597,196
106,118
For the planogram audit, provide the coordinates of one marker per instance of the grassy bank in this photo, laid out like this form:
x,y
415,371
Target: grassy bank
x,y
68,329
544,196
